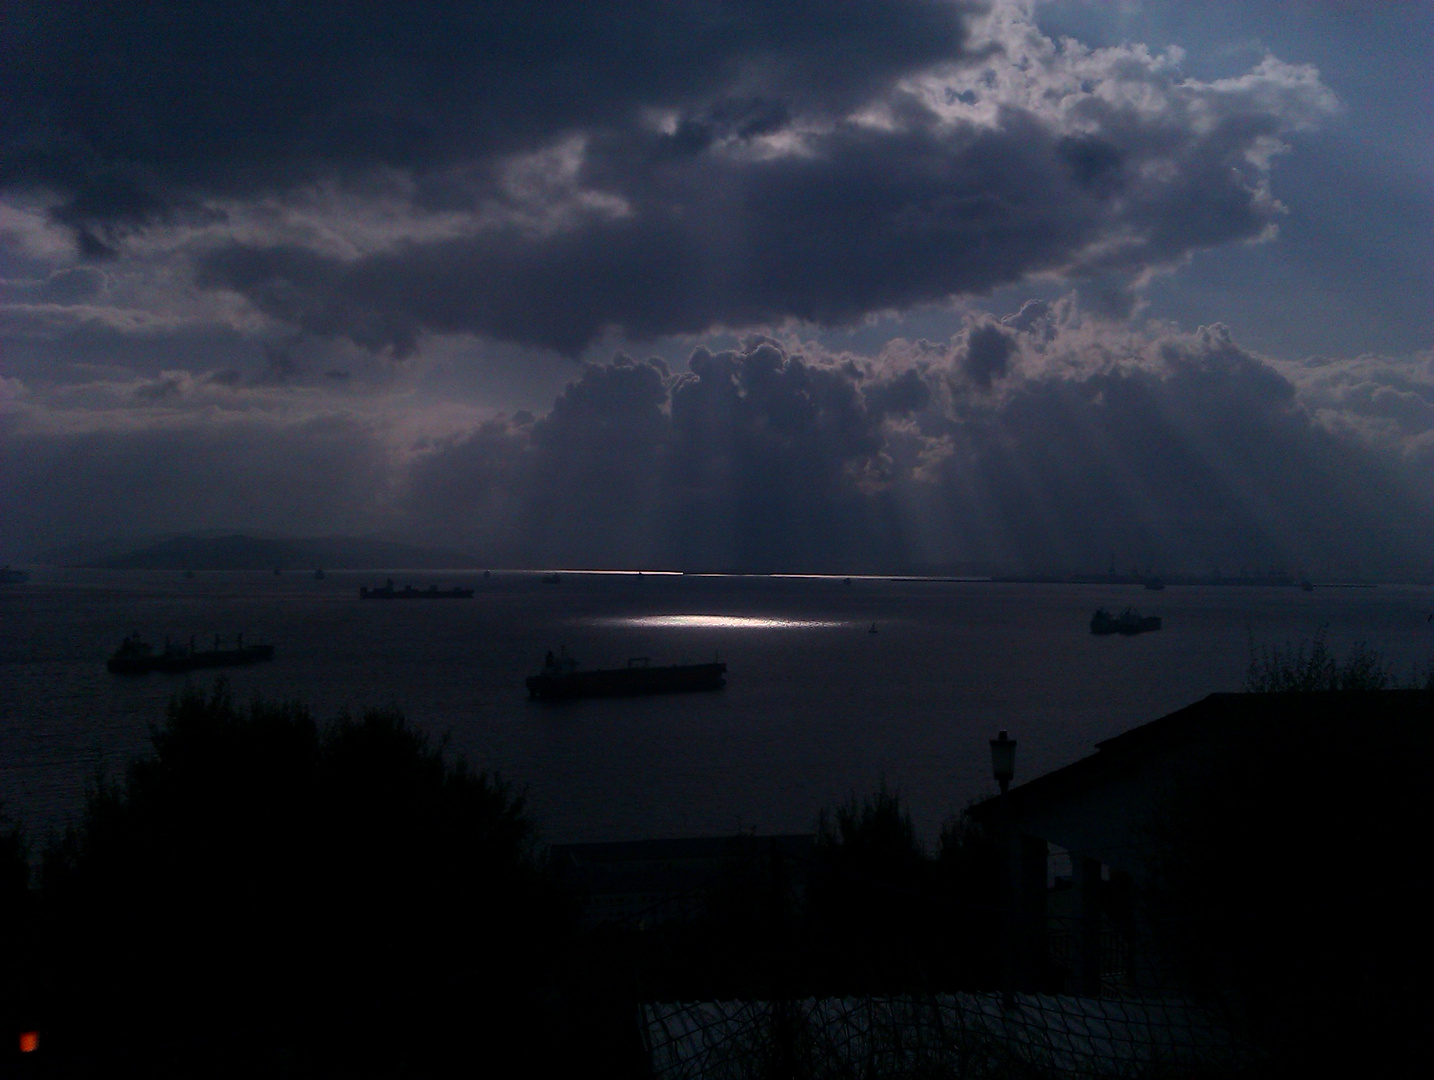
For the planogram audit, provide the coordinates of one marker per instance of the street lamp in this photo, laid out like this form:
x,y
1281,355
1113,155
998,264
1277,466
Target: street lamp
x,y
1003,768
1003,760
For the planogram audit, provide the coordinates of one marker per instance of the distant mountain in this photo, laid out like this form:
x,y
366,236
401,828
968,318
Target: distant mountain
x,y
240,552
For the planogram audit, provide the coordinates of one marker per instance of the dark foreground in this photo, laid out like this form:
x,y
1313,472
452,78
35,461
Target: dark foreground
x,y
271,895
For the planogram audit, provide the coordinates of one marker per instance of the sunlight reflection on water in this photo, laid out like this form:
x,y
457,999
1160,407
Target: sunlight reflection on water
x,y
718,622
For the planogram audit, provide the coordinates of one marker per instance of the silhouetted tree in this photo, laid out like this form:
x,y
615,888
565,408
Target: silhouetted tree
x,y
17,938
268,894
872,894
870,911
969,868
1313,668
748,938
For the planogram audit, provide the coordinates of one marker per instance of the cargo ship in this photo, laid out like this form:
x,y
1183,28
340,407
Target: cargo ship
x,y
135,656
408,592
1128,622
560,679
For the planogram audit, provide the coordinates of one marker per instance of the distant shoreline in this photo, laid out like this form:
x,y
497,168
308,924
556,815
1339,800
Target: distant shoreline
x,y
467,566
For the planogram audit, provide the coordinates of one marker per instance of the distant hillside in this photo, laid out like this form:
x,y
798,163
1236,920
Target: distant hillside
x,y
239,552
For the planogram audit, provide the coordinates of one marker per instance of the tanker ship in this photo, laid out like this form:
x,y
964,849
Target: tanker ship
x,y
560,679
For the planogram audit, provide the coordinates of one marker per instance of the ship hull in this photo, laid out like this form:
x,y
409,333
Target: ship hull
x,y
190,661
1125,626
628,682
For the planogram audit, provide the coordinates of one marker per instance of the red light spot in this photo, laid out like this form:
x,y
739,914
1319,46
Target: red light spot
x,y
29,1042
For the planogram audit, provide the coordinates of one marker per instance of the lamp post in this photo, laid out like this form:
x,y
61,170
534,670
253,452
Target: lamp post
x,y
1003,768
1003,761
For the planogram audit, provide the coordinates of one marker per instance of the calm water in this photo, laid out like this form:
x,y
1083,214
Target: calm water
x,y
816,706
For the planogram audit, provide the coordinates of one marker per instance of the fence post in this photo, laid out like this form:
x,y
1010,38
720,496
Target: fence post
x,y
784,1033
1031,912
1009,864
1086,872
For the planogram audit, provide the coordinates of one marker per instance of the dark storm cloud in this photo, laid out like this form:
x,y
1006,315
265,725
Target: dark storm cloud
x,y
542,174
594,479
1206,460
1182,451
988,348
753,459
74,285
132,109
280,366
767,451
875,219
880,219
1186,452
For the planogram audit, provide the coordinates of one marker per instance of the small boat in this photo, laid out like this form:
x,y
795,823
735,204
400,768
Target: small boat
x,y
408,592
319,574
552,579
560,679
135,656
13,577
1128,622
1154,584
873,629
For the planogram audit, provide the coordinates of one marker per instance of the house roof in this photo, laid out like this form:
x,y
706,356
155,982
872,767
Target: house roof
x,y
1211,724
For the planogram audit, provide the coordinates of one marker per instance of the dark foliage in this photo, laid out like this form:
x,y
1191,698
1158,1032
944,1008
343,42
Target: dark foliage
x,y
1289,882
1315,668
889,917
747,938
14,863
17,938
270,895
970,869
871,886
868,911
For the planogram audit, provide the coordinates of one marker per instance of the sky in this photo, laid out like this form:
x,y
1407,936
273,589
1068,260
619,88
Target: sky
x,y
1028,285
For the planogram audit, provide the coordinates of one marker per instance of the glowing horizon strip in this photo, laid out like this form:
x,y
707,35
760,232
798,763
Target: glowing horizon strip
x,y
608,573
780,576
718,622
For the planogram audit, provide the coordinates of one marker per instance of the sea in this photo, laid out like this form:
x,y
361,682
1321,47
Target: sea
x,y
834,687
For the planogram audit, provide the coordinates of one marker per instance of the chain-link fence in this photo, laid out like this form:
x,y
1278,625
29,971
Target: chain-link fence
x,y
781,994
957,1035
